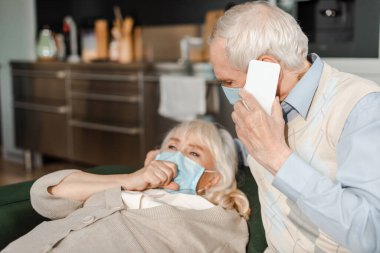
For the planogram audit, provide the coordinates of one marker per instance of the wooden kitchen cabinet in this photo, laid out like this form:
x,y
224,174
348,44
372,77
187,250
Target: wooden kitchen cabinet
x,y
40,107
93,113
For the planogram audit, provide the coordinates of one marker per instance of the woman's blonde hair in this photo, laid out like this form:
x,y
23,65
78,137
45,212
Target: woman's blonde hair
x,y
222,147
253,29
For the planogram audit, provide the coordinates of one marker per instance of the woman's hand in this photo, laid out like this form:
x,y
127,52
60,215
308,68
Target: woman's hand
x,y
81,185
155,174
262,134
150,156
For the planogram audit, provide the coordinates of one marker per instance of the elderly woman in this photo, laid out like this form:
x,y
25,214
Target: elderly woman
x,y
184,199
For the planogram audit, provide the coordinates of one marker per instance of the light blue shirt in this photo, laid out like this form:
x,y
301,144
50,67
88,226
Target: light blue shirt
x,y
347,209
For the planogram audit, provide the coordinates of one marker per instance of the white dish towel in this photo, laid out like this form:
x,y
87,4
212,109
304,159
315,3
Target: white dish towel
x,y
182,98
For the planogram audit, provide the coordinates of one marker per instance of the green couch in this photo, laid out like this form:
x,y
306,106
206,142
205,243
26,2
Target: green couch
x,y
17,216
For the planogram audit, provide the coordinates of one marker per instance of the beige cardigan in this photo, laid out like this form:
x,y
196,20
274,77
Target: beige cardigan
x,y
314,140
102,224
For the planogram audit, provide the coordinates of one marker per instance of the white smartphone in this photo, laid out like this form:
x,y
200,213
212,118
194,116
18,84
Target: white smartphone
x,y
261,82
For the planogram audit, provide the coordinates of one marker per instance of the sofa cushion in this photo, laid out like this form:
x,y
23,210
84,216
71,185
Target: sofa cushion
x,y
245,181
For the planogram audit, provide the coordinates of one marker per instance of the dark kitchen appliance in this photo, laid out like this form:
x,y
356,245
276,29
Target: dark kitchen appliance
x,y
341,28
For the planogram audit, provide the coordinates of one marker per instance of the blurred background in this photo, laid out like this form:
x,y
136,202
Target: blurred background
x,y
87,82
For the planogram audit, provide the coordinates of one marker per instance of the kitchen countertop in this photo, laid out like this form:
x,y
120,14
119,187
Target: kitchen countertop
x,y
152,71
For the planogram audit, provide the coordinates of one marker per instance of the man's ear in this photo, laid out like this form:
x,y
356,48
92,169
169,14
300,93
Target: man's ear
x,y
268,58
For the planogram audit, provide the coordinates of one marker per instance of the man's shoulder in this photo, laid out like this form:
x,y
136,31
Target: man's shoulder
x,y
347,80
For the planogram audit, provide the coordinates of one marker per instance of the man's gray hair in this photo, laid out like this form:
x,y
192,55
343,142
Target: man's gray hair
x,y
256,28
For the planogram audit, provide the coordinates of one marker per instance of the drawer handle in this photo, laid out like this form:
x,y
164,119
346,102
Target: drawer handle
x,y
103,77
113,98
41,108
108,128
61,74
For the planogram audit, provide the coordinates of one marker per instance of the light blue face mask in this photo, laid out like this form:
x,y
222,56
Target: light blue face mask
x,y
188,171
232,94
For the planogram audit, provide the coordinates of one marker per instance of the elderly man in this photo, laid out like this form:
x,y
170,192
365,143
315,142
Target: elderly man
x,y
316,158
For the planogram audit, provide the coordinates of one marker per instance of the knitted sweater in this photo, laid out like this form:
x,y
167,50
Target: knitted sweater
x,y
314,139
103,224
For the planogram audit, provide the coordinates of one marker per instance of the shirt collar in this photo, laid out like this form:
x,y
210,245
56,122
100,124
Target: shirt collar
x,y
301,96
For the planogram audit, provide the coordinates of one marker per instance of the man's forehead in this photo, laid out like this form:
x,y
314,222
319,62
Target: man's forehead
x,y
223,71
217,50
218,59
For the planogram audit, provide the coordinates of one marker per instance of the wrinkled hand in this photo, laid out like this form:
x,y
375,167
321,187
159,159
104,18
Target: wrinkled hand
x,y
150,156
261,134
156,174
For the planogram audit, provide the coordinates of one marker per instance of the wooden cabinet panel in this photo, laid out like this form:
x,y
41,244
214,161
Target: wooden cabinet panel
x,y
110,87
106,112
49,90
92,113
103,147
39,94
43,132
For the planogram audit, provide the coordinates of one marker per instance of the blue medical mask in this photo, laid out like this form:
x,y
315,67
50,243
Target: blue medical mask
x,y
188,171
232,94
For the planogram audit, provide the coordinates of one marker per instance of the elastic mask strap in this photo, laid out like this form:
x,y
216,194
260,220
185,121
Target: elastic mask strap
x,y
202,190
210,171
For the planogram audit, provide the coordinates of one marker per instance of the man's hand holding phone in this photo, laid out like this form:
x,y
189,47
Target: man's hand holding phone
x,y
261,82
259,126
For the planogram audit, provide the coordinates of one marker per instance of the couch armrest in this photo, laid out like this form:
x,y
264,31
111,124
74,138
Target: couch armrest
x,y
17,217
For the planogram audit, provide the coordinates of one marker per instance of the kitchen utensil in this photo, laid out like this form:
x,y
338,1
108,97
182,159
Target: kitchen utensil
x,y
101,31
125,43
138,45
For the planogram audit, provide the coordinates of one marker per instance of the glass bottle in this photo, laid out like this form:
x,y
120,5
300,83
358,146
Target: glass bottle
x,y
46,45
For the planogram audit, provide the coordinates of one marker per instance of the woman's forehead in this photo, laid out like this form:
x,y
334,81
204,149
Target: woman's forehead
x,y
192,139
185,137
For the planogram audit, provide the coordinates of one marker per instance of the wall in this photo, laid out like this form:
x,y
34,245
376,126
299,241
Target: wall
x,y
17,41
365,67
147,12
18,27
154,16
353,32
363,14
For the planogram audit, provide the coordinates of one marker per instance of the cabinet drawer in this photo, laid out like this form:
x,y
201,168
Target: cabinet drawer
x,y
110,87
42,131
49,90
121,114
102,147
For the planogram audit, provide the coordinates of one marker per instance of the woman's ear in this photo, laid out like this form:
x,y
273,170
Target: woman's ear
x,y
213,180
